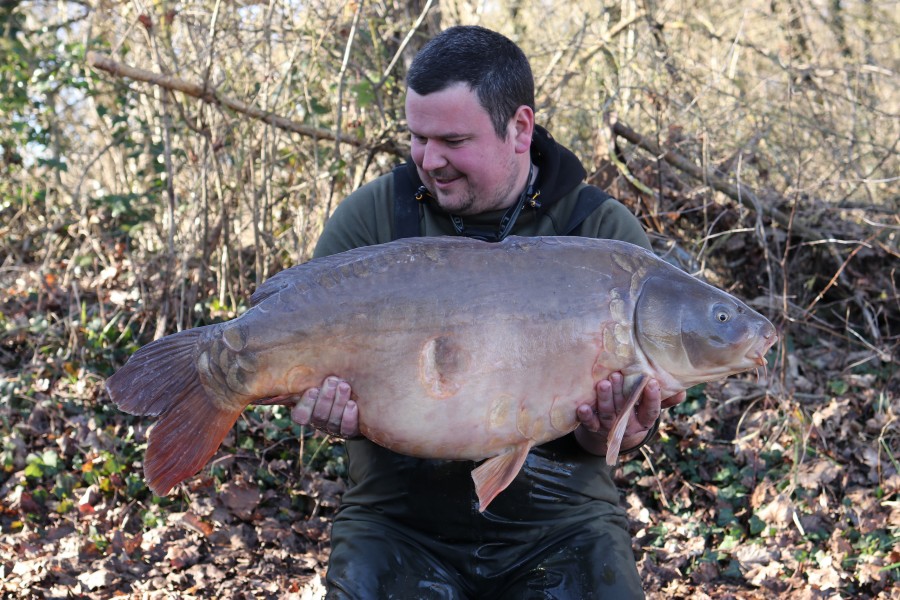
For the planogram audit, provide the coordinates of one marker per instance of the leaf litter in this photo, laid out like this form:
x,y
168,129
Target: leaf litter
x,y
755,487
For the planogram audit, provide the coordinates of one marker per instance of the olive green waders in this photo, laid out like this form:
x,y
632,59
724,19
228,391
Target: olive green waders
x,y
410,529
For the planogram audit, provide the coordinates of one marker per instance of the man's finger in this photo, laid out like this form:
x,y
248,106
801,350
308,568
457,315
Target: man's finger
x,y
303,410
588,418
341,397
674,400
617,382
350,420
648,409
322,410
605,401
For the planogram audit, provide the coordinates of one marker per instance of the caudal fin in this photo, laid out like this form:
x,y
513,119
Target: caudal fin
x,y
161,379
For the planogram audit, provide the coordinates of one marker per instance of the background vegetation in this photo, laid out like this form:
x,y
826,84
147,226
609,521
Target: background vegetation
x,y
160,159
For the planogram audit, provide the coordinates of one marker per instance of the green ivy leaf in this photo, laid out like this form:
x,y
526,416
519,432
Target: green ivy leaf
x,y
50,459
838,387
757,525
34,470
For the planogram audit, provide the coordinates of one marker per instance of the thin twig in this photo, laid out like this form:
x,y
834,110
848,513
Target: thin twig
x,y
340,99
404,44
738,192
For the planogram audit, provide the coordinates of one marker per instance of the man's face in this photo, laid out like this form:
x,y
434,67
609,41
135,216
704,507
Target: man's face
x,y
460,159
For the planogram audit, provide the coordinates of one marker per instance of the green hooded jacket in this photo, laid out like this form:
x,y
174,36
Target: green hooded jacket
x,y
557,477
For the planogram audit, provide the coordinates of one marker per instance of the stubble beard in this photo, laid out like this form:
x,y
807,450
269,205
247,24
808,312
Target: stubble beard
x,y
468,204
462,206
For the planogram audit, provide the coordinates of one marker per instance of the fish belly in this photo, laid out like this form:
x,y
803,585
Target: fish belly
x,y
452,392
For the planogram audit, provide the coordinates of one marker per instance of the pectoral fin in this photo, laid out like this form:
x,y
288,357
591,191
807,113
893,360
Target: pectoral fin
x,y
614,443
495,474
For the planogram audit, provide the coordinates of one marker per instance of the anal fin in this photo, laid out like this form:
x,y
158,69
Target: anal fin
x,y
495,474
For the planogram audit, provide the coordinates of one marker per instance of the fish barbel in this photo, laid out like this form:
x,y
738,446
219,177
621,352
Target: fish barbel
x,y
454,348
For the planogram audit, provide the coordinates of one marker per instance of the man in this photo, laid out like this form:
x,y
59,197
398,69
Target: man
x,y
410,528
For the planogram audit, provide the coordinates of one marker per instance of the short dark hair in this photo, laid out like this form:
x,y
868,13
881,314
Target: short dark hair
x,y
492,65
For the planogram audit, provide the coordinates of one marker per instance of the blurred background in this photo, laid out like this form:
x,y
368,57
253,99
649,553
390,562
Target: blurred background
x,y
158,160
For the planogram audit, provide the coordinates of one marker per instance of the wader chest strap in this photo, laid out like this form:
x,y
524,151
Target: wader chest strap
x,y
589,199
406,206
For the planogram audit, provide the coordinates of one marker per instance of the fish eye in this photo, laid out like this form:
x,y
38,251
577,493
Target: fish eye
x,y
722,314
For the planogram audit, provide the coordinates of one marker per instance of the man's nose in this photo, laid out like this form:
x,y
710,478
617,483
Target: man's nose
x,y
432,157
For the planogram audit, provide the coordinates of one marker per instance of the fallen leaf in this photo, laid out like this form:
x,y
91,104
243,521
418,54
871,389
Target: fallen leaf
x,y
779,512
182,556
23,502
24,567
757,574
238,537
834,410
819,472
326,492
195,523
106,275
100,578
88,499
823,578
315,529
206,576
749,554
870,570
240,498
125,543
705,572
314,589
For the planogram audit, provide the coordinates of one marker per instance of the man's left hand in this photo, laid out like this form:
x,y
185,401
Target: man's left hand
x,y
597,419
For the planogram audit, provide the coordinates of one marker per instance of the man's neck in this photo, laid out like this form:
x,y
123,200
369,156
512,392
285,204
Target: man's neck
x,y
532,168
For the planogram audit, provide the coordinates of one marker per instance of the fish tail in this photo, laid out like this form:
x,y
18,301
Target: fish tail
x,y
161,379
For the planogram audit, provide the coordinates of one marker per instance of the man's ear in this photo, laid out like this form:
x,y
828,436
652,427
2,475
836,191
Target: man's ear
x,y
523,124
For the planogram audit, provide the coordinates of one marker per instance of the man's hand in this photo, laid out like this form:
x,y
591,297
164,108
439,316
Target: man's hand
x,y
597,419
328,409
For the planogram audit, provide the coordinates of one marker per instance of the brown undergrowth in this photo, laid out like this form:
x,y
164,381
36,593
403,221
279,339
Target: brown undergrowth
x,y
158,161
784,482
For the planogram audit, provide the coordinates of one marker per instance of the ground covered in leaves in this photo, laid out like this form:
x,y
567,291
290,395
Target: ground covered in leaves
x,y
749,492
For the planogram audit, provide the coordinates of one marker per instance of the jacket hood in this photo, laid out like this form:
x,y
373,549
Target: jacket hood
x,y
559,170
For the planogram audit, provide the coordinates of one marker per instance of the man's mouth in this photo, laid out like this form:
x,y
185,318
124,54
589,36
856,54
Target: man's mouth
x,y
442,181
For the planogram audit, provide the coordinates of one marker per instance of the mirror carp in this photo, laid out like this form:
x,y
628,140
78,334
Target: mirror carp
x,y
455,348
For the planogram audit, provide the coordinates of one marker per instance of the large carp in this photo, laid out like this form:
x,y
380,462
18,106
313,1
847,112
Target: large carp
x,y
454,348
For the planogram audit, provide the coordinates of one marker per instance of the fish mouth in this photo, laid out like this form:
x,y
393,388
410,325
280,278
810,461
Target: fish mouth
x,y
757,354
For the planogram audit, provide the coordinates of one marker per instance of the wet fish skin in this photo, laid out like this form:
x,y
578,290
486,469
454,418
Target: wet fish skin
x,y
455,348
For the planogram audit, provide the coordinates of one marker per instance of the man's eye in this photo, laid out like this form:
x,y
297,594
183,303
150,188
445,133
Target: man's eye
x,y
454,143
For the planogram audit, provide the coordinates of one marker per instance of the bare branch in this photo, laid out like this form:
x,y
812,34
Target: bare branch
x,y
105,63
738,192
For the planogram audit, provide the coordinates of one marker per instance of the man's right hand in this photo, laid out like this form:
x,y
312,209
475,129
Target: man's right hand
x,y
328,409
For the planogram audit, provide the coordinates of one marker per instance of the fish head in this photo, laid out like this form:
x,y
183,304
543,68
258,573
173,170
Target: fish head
x,y
691,332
